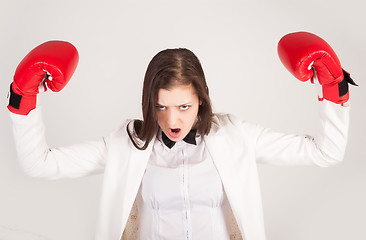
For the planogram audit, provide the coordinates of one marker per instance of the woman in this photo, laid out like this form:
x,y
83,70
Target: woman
x,y
183,172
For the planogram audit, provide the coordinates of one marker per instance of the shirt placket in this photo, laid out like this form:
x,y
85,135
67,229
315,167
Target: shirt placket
x,y
185,193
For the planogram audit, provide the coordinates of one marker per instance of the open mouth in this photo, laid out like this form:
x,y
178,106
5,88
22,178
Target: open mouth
x,y
174,132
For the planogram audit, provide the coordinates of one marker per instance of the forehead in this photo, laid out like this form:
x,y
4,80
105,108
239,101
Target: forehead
x,y
177,95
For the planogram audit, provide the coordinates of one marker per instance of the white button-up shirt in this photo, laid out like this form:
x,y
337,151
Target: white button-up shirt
x,y
181,194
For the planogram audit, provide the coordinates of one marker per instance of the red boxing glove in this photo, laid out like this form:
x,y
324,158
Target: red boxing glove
x,y
51,63
307,56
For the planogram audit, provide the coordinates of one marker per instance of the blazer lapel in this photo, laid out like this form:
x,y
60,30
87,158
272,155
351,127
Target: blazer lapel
x,y
130,182
231,169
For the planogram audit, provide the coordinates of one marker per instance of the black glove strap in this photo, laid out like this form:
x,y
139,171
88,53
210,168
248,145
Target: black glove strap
x,y
343,85
14,99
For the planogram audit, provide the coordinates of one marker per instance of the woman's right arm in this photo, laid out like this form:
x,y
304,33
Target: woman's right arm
x,y
50,64
37,159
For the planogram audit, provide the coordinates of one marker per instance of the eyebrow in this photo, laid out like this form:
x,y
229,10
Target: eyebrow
x,y
188,103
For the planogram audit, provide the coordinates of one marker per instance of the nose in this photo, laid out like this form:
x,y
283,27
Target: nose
x,y
172,118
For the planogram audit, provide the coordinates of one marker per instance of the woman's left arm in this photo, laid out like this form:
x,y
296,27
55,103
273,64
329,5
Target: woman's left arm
x,y
325,148
309,57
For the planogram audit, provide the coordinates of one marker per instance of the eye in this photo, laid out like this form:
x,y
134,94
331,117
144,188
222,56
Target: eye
x,y
184,107
160,108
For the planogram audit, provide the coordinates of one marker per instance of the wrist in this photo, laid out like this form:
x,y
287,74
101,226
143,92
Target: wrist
x,y
21,104
338,92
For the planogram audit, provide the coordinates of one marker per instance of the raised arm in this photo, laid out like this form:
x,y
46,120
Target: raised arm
x,y
308,57
51,65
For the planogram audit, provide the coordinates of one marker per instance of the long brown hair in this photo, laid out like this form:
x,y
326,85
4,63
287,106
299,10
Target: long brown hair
x,y
169,68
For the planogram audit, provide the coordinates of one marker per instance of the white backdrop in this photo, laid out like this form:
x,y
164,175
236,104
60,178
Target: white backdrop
x,y
236,42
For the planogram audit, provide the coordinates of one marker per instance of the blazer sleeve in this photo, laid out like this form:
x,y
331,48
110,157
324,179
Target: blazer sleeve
x,y
38,160
325,148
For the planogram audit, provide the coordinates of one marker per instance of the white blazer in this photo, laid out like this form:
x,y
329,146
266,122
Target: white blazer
x,y
235,146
